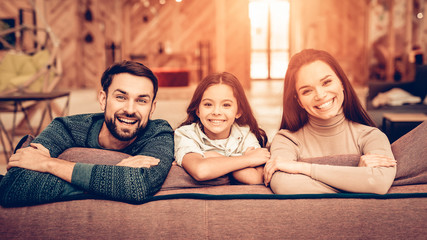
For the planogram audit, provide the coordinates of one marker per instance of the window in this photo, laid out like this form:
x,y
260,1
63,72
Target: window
x,y
269,38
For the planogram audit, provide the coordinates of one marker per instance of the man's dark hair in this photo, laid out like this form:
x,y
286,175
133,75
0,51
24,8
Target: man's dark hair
x,y
131,67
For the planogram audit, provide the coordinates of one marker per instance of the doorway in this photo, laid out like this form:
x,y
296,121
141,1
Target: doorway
x,y
269,38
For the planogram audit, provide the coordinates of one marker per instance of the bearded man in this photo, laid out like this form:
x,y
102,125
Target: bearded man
x,y
36,175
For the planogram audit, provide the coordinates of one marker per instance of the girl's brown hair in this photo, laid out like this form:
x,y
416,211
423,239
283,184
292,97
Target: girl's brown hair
x,y
294,116
247,117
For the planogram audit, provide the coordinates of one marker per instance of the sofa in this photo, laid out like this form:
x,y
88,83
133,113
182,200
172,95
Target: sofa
x,y
221,209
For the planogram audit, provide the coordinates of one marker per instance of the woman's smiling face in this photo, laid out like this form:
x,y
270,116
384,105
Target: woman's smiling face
x,y
320,91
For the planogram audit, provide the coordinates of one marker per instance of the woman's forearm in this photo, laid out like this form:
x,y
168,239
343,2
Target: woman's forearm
x,y
355,179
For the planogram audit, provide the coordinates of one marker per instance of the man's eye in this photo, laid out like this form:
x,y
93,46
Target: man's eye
x,y
142,101
120,97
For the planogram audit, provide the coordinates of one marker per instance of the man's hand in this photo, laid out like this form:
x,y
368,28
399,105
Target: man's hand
x,y
374,160
139,161
36,157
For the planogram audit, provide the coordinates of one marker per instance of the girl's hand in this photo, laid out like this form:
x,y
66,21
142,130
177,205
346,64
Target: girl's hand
x,y
257,156
375,160
278,164
139,161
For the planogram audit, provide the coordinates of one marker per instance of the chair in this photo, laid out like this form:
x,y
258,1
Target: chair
x,y
27,68
29,73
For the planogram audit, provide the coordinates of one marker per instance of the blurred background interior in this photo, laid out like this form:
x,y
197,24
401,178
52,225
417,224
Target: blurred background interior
x,y
53,53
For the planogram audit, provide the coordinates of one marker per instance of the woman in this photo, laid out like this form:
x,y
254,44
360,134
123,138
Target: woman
x,y
322,116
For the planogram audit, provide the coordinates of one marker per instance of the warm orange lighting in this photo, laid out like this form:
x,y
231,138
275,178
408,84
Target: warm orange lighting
x,y
269,38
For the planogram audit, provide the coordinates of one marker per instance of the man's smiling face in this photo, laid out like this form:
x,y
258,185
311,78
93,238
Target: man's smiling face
x,y
128,105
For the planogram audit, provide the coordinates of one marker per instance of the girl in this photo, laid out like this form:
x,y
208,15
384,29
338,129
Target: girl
x,y
322,116
220,134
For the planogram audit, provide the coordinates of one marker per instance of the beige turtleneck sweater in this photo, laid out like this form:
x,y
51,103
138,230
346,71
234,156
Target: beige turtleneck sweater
x,y
334,136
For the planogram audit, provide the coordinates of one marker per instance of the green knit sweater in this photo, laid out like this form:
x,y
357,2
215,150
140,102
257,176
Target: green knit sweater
x,y
25,187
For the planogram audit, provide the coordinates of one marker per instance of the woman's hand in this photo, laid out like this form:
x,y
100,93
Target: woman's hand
x,y
257,156
139,161
279,164
375,160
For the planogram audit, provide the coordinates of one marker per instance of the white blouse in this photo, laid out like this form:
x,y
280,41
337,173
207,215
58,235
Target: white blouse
x,y
191,139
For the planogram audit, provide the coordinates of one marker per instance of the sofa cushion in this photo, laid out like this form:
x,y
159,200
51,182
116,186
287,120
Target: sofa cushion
x,y
410,151
351,160
17,68
176,179
93,156
40,59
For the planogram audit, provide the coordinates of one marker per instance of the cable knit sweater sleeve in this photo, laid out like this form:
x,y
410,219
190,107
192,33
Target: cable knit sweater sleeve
x,y
132,184
25,187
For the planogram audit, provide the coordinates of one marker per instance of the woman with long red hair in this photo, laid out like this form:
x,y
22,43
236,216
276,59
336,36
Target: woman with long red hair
x,y
322,116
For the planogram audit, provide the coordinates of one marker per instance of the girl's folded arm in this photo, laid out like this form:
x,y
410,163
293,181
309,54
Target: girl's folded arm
x,y
251,175
207,168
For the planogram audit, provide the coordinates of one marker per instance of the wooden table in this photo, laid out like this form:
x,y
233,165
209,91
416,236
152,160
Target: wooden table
x,y
391,120
24,102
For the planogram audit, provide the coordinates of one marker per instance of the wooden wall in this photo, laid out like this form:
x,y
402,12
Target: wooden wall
x,y
177,30
173,35
138,31
336,26
84,40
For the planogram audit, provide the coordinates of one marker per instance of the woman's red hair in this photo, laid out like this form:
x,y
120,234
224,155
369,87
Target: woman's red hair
x,y
294,117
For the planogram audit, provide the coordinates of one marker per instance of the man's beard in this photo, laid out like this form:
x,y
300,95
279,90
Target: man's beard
x,y
120,136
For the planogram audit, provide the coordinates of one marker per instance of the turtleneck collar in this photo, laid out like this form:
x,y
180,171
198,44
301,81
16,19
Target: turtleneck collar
x,y
328,127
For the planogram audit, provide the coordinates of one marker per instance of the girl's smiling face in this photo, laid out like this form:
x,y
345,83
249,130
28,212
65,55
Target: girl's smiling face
x,y
320,91
217,111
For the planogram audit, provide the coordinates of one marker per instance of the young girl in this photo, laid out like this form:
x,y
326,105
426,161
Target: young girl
x,y
322,116
220,134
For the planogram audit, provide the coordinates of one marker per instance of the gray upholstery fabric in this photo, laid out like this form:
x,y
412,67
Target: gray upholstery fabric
x,y
93,156
323,218
222,219
410,151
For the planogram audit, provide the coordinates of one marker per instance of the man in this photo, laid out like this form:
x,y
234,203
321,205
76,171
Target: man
x,y
128,100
